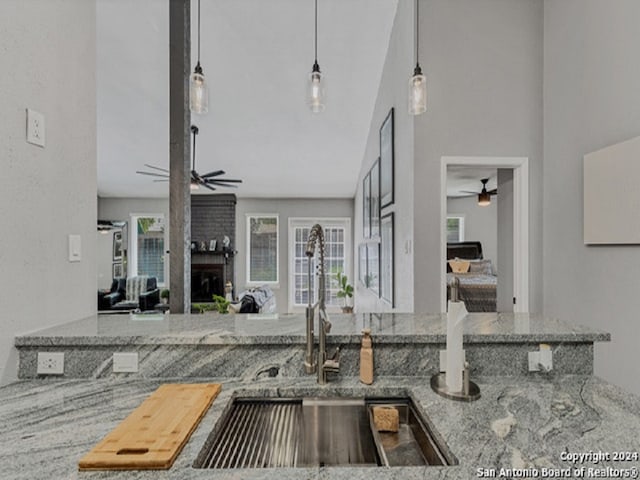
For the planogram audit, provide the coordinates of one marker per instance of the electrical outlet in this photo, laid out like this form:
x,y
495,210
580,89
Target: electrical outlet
x,y
35,128
50,363
125,362
542,360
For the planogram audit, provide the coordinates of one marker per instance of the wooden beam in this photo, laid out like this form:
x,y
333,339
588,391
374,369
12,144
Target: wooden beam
x,y
179,156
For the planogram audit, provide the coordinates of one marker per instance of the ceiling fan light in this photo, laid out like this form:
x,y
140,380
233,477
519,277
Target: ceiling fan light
x,y
194,186
198,92
484,199
316,88
417,92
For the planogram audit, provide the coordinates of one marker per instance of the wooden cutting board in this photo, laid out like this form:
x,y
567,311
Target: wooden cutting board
x,y
153,435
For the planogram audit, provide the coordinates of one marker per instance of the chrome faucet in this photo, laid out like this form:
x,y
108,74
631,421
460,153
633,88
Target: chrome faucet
x,y
319,362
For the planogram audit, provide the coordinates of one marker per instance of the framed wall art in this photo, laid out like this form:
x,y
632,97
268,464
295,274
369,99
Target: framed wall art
x,y
117,246
386,161
366,206
387,267
375,199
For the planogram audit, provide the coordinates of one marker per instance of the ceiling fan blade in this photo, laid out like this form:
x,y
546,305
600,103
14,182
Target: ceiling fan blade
x,y
220,184
228,180
493,192
156,168
208,186
213,174
163,180
152,174
467,191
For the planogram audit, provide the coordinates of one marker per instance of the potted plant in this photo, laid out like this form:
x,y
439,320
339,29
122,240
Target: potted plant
x,y
346,291
164,296
221,304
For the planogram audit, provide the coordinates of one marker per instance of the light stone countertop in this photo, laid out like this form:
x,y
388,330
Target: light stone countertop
x,y
47,425
289,329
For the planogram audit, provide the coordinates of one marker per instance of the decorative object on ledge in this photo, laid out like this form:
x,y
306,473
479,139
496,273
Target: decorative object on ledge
x,y
212,245
418,82
387,262
386,161
345,291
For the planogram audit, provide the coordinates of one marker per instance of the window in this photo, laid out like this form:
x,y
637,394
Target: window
x,y
455,228
262,249
336,258
147,246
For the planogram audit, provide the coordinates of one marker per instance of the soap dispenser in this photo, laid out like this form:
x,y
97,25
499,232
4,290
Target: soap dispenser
x,y
366,358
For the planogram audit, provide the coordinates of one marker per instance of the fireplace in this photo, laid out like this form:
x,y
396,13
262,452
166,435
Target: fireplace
x,y
206,281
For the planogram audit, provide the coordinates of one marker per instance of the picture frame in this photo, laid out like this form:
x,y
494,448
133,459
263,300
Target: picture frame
x,y
387,161
375,199
366,206
387,263
373,267
362,262
117,246
117,270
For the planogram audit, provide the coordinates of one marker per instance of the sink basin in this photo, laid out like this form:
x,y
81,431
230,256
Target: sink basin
x,y
312,432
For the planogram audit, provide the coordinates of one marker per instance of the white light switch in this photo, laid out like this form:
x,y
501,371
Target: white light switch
x,y
35,128
125,362
75,248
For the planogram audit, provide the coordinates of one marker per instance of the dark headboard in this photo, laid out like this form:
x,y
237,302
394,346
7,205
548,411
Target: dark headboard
x,y
464,250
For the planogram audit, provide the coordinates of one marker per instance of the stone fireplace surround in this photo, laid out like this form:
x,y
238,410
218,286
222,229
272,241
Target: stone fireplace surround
x,y
212,217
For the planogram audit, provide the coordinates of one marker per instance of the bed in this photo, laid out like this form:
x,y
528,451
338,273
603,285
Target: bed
x,y
477,286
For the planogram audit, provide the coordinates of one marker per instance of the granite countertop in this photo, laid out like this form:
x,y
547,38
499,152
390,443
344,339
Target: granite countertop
x,y
517,423
284,329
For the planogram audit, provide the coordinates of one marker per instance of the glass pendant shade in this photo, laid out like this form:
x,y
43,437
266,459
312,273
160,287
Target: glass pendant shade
x,y
316,90
417,93
198,92
484,199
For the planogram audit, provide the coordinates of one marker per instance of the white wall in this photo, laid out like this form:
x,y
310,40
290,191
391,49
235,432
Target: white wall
x,y
591,100
285,208
483,62
47,64
121,209
480,223
398,65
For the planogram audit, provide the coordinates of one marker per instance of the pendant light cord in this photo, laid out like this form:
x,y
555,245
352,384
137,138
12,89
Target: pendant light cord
x,y
198,31
316,32
194,129
417,30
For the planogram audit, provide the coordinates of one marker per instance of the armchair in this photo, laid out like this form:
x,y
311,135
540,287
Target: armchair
x,y
132,293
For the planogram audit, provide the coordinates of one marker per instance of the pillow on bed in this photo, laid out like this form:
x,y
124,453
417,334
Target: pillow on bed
x,y
481,266
459,266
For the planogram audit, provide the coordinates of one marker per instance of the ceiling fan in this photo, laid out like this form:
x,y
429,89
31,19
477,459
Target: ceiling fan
x,y
208,180
484,196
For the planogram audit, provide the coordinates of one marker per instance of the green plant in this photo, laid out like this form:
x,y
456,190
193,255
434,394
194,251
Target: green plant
x,y
346,289
221,304
164,293
202,307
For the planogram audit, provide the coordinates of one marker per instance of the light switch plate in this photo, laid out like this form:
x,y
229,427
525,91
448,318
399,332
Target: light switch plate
x,y
75,248
35,128
125,362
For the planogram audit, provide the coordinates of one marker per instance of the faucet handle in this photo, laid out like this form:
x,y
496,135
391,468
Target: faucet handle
x,y
327,326
332,364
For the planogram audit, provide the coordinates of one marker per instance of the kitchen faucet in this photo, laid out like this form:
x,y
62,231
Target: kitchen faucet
x,y
318,362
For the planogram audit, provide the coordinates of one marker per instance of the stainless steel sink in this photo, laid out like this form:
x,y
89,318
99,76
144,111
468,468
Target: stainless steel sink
x,y
311,432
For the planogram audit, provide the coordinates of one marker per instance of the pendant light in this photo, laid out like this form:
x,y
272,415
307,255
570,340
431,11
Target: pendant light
x,y
418,82
198,88
317,83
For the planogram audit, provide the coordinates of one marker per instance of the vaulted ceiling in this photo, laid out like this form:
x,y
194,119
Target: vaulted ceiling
x,y
256,56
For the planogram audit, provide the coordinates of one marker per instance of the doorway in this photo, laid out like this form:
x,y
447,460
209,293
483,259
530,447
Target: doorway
x,y
516,266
